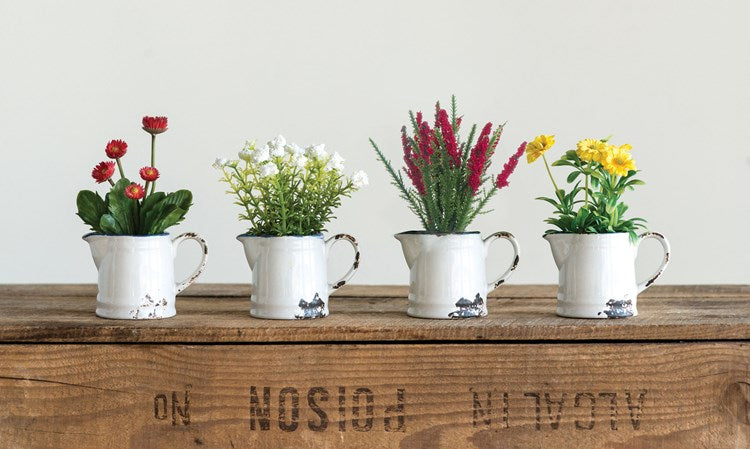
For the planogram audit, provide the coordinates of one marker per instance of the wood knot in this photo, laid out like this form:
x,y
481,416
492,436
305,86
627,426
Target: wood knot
x,y
737,401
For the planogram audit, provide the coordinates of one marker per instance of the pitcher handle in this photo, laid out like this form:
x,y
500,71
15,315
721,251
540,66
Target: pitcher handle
x,y
355,266
516,257
180,286
665,261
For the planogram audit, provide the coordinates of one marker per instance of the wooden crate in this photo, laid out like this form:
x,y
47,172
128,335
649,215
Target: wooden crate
x,y
678,376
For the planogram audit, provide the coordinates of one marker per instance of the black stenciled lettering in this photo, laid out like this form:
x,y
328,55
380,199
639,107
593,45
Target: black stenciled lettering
x,y
160,399
369,409
538,404
398,410
481,411
635,418
263,414
342,409
554,421
612,408
283,425
592,403
322,424
184,410
506,414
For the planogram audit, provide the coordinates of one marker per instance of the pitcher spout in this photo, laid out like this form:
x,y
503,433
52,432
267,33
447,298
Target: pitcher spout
x,y
412,245
560,245
251,246
98,245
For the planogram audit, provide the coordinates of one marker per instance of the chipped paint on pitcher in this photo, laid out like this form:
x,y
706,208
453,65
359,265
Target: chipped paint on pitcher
x,y
136,274
447,277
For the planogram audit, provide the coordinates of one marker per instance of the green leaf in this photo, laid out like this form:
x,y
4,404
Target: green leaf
x,y
170,216
109,226
573,175
149,202
91,207
122,208
155,218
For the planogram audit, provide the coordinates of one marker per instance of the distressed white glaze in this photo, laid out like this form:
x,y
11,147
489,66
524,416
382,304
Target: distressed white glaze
x,y
597,273
447,274
136,274
290,275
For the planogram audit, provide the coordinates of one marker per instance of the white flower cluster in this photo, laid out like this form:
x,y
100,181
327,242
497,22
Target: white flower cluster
x,y
263,158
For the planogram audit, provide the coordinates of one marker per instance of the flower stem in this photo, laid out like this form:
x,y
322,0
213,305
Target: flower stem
x,y
549,172
112,183
137,217
153,159
586,192
119,166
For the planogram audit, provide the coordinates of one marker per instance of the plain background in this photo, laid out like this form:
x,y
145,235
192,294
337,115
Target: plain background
x,y
669,77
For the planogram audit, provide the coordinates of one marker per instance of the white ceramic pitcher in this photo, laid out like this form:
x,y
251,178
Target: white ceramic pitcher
x,y
136,274
290,275
597,273
447,274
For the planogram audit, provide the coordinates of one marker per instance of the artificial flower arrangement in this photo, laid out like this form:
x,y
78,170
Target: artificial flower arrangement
x,y
134,255
130,208
448,175
285,189
450,186
602,172
593,244
288,194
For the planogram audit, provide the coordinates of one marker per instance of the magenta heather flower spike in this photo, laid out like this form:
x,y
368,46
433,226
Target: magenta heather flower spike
x,y
451,147
478,158
509,167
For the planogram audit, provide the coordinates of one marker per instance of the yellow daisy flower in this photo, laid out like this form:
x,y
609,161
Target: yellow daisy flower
x,y
538,146
618,160
591,150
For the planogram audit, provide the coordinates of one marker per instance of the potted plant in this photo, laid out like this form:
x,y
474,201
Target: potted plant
x,y
129,244
449,188
593,244
287,194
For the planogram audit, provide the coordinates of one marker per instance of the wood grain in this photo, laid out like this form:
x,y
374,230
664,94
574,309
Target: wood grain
x,y
665,396
368,314
378,291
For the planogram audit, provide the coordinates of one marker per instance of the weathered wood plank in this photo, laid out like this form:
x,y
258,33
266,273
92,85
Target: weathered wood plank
x,y
378,291
614,396
216,319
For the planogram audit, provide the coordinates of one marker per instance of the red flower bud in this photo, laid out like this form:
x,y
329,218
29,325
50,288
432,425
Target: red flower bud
x,y
134,191
154,125
149,174
116,149
103,171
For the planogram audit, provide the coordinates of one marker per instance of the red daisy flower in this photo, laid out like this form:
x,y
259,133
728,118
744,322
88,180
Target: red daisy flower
x,y
154,125
116,149
149,174
103,171
134,191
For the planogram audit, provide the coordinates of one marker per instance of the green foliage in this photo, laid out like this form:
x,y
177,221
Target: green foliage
x,y
287,195
440,194
595,206
117,214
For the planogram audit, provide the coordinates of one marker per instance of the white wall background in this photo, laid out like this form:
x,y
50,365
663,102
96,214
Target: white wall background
x,y
670,77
